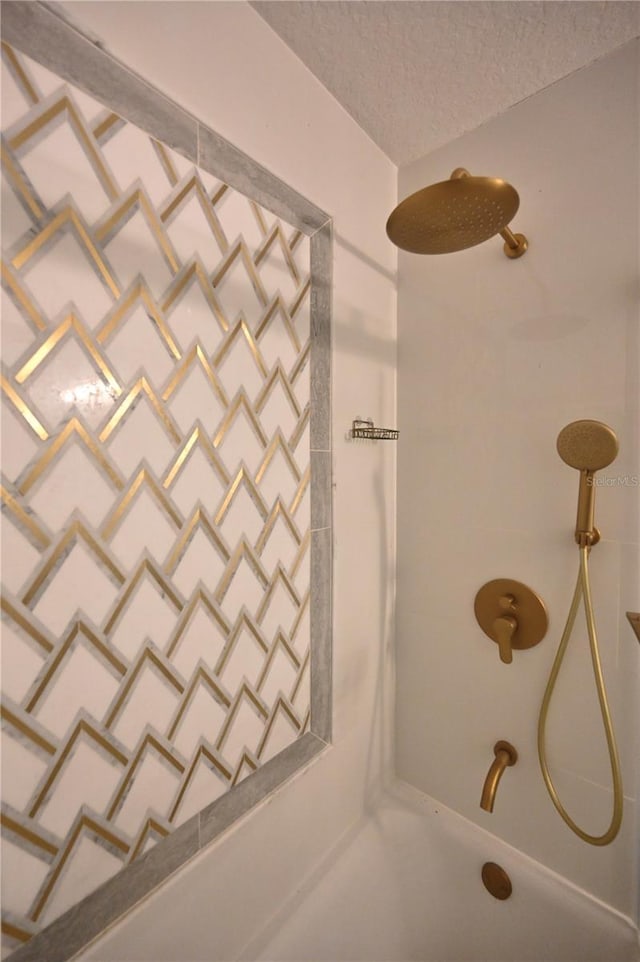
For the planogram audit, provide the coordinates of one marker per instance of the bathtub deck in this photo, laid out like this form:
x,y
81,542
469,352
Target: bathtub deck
x,y
406,886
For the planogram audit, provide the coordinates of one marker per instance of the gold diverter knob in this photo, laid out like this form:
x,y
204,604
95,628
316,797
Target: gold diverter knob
x,y
511,614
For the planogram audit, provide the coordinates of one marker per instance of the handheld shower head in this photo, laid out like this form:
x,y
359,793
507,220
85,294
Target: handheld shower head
x,y
588,446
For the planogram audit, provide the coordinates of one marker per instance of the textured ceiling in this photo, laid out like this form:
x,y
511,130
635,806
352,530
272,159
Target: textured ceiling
x,y
415,75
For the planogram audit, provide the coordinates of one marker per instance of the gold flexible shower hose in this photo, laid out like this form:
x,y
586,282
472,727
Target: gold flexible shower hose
x,y
583,590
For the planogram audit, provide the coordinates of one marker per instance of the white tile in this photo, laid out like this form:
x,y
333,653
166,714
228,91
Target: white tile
x,y
14,102
237,294
280,613
22,876
241,443
137,344
67,383
22,770
19,557
276,274
238,369
130,155
246,660
19,443
148,614
244,733
191,319
81,681
88,866
195,399
154,786
145,526
17,335
200,561
152,701
190,233
72,481
201,639
67,273
278,479
135,250
79,583
238,219
245,590
280,677
281,547
276,342
278,412
281,735
15,220
203,716
140,435
242,519
205,786
21,660
88,778
57,165
197,481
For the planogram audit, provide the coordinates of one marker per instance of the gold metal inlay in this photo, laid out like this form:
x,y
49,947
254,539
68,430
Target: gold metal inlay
x,y
195,356
138,293
20,183
19,73
27,834
25,519
138,198
195,271
198,519
75,531
78,629
200,598
74,428
23,409
194,186
66,105
142,480
241,326
23,622
70,323
84,824
23,300
200,439
142,387
67,216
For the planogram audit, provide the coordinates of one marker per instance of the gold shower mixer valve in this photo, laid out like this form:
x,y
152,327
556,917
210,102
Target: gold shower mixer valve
x,y
511,614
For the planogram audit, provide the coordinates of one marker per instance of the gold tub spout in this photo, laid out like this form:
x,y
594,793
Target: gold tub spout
x,y
505,755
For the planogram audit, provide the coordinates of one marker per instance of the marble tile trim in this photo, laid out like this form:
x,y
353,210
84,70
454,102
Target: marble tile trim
x,y
41,33
87,920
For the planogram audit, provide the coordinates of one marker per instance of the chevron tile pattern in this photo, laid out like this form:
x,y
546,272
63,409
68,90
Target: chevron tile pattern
x,y
155,491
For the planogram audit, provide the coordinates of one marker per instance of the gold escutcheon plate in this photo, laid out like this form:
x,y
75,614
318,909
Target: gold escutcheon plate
x,y
528,609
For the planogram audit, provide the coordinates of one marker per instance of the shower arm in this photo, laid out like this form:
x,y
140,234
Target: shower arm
x,y
513,246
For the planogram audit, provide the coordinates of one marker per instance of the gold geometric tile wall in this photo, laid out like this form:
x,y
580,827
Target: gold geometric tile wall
x,y
156,492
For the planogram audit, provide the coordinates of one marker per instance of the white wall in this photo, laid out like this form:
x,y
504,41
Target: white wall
x,y
222,62
495,357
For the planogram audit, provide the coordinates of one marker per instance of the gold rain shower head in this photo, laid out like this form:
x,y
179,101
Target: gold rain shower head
x,y
455,214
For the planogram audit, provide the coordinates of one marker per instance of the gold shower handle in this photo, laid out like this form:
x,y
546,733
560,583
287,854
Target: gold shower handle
x,y
504,629
511,614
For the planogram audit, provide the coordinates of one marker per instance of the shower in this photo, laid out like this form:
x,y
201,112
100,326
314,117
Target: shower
x,y
456,214
587,446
